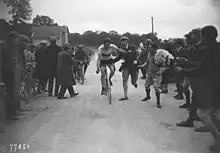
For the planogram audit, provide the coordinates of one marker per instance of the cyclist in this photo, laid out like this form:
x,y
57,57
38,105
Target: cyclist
x,y
82,56
105,53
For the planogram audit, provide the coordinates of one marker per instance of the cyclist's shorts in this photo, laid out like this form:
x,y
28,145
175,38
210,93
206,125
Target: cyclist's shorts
x,y
106,62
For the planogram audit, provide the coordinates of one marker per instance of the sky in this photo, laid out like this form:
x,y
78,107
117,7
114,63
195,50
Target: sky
x,y
172,18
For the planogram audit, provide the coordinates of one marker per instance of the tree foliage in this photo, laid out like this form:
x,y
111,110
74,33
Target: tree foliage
x,y
43,20
96,38
19,9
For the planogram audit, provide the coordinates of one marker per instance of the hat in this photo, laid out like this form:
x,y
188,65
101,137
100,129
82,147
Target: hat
x,y
66,46
80,46
148,40
44,42
53,38
124,38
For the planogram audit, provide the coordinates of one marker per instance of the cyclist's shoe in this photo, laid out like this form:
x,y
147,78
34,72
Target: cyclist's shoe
x,y
103,91
97,71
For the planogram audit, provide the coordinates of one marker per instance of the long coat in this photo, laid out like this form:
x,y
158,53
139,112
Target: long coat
x,y
41,70
64,69
52,51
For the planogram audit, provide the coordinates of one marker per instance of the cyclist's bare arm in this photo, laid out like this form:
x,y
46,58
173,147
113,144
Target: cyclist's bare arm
x,y
98,59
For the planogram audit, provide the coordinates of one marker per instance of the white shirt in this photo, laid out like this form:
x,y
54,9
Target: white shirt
x,y
106,54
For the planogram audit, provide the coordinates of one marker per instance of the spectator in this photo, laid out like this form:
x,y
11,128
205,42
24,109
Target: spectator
x,y
142,57
194,37
203,71
9,55
64,72
52,51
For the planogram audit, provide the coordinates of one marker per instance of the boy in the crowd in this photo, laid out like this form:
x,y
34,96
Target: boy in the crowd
x,y
154,73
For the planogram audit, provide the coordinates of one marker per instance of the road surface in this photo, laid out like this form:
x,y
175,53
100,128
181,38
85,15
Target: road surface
x,y
87,124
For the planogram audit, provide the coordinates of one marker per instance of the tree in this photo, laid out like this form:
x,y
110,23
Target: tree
x,y
4,28
43,20
19,9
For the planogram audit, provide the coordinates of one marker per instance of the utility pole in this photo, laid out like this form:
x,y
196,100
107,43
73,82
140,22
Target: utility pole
x,y
152,24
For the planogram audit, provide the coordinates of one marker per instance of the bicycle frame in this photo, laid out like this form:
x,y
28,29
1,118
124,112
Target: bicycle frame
x,y
80,72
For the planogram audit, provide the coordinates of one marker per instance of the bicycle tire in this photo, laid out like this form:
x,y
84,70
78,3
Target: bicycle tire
x,y
82,79
109,94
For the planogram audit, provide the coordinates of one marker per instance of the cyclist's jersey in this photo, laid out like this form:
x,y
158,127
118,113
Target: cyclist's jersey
x,y
106,54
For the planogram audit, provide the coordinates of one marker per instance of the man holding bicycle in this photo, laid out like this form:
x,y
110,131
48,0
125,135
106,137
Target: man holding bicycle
x,y
105,53
82,56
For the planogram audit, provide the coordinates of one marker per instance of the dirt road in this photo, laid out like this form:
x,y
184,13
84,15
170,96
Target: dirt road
x,y
87,124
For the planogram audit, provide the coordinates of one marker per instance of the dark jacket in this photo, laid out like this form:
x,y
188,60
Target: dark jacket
x,y
81,55
52,51
203,74
41,59
129,57
142,57
64,69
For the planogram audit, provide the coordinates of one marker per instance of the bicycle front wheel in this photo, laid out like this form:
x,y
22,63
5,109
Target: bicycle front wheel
x,y
109,94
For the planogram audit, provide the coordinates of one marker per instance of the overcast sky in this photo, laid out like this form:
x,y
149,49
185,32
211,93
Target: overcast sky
x,y
172,18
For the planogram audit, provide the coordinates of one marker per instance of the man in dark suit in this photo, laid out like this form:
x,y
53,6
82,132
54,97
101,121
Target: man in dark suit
x,y
52,51
129,54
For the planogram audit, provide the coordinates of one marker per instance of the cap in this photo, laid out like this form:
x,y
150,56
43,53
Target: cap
x,y
80,46
124,38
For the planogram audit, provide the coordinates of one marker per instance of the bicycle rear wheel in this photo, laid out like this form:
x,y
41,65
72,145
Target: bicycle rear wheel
x,y
109,92
81,77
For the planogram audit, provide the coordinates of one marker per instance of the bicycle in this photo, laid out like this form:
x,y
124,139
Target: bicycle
x,y
80,75
108,86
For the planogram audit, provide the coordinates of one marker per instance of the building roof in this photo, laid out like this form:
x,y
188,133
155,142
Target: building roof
x,y
45,32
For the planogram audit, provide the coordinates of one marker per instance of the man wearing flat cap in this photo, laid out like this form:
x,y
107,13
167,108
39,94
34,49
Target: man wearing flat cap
x,y
129,66
142,57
